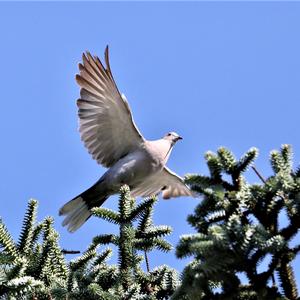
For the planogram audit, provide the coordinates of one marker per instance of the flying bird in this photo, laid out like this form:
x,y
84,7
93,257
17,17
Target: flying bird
x,y
111,136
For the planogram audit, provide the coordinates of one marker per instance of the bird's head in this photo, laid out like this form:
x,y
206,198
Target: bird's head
x,y
173,137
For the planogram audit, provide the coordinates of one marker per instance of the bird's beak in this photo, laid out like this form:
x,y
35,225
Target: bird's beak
x,y
179,138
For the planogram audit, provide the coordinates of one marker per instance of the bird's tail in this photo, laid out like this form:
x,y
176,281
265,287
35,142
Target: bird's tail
x,y
78,210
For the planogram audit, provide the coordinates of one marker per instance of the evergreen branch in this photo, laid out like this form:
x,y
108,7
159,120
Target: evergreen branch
x,y
7,242
131,291
19,267
37,231
19,286
258,174
150,244
278,163
47,227
139,210
64,251
44,260
35,269
219,235
183,249
5,259
237,227
58,263
104,239
215,216
106,214
147,261
108,276
287,156
25,240
274,244
287,279
246,160
214,165
227,160
155,232
162,245
83,260
51,262
125,202
94,279
145,220
102,257
126,249
201,181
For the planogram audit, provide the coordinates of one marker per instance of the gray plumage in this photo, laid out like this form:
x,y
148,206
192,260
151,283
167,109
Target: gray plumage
x,y
109,133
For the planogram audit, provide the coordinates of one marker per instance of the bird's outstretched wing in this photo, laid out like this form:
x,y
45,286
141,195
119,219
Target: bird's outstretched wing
x,y
166,181
106,125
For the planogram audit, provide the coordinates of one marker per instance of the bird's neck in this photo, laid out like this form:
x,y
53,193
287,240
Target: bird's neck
x,y
168,153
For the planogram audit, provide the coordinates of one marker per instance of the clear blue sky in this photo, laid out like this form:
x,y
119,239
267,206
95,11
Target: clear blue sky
x,y
219,74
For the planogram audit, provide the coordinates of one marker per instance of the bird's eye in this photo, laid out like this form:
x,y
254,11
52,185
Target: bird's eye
x,y
169,134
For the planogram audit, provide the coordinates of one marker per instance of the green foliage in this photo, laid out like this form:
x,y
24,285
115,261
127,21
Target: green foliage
x,y
35,268
92,278
26,235
237,227
7,243
31,268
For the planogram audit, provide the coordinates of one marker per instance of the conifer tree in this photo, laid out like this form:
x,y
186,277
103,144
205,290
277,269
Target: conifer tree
x,y
238,226
91,277
31,267
34,267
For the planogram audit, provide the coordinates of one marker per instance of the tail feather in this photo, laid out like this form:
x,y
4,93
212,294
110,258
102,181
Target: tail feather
x,y
76,212
69,206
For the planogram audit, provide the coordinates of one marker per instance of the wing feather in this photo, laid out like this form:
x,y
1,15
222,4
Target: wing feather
x,y
167,182
106,124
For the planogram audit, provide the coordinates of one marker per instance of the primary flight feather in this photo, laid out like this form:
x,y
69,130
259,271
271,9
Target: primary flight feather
x,y
109,133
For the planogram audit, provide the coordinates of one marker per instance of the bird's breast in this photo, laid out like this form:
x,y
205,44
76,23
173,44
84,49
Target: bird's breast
x,y
158,152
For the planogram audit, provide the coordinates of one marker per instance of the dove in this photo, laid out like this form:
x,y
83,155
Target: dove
x,y
111,136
